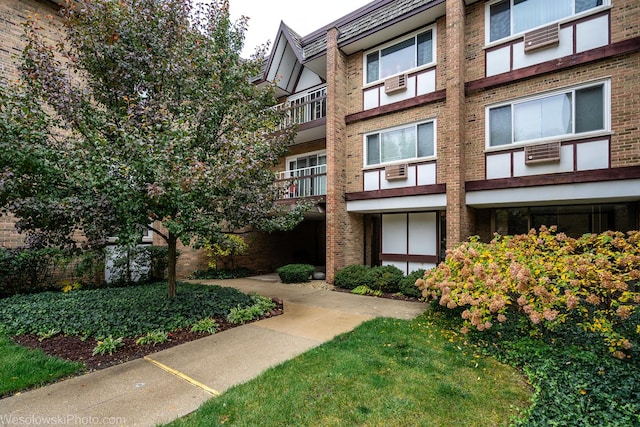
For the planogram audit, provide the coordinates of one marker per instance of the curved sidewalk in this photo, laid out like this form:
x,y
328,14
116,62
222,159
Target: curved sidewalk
x,y
174,382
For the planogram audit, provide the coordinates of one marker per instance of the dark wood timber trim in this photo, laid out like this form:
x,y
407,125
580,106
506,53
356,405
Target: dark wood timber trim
x,y
614,174
315,200
439,95
432,259
322,121
619,48
397,192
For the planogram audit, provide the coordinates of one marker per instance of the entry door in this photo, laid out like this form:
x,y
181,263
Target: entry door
x,y
410,240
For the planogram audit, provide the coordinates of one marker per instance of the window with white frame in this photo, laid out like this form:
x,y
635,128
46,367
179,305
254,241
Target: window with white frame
x,y
397,57
404,143
574,111
509,17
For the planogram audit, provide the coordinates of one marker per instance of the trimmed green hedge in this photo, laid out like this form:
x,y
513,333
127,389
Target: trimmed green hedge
x,y
351,276
408,286
295,273
381,278
384,278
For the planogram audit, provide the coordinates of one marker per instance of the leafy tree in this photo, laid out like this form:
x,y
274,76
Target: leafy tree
x,y
148,116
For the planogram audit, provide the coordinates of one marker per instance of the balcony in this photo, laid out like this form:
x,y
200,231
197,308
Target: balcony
x,y
308,111
305,182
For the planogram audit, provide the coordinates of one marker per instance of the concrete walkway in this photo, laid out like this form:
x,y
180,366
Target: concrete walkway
x,y
174,382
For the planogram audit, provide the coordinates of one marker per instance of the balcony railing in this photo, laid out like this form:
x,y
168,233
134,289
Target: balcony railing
x,y
305,182
312,106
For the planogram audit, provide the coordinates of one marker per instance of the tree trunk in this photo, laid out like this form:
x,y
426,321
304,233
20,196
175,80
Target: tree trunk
x,y
171,269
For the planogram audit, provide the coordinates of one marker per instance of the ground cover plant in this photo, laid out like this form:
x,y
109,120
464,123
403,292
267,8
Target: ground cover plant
x,y
386,372
563,310
119,312
103,327
574,385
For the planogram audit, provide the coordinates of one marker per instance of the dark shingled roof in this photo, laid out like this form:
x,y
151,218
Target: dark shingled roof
x,y
294,38
368,17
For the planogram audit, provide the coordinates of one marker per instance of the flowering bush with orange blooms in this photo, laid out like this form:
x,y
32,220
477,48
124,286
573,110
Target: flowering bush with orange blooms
x,y
548,278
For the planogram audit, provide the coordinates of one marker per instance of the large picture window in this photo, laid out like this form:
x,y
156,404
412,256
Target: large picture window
x,y
413,52
572,220
510,17
409,142
570,112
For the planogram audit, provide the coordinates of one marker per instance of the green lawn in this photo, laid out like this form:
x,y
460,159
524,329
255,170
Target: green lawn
x,y
385,373
22,368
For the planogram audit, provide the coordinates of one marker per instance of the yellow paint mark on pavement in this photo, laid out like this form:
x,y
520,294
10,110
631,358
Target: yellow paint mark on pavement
x,y
183,376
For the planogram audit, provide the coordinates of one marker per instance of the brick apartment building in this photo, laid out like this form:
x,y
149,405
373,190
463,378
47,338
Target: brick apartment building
x,y
423,122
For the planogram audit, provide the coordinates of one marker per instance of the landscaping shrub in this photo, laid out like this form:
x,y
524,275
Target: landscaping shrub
x,y
407,284
554,283
221,252
351,276
223,273
384,278
365,290
26,270
261,305
295,273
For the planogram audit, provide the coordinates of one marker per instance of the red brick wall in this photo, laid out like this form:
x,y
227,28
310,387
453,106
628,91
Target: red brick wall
x,y
625,88
625,108
625,20
12,14
9,237
344,230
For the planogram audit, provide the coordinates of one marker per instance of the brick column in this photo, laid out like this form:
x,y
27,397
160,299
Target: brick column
x,y
342,243
458,215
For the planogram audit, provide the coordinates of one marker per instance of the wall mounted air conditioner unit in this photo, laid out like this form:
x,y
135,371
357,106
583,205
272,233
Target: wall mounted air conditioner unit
x,y
542,37
394,172
395,84
542,153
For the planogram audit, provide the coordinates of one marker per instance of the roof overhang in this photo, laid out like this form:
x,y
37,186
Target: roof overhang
x,y
396,28
285,61
579,193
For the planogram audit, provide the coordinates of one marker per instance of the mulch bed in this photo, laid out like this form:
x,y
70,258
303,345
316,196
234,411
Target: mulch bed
x,y
75,349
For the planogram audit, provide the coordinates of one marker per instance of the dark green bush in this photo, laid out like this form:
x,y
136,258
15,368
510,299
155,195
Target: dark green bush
x,y
25,270
384,278
223,273
351,276
295,273
408,286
